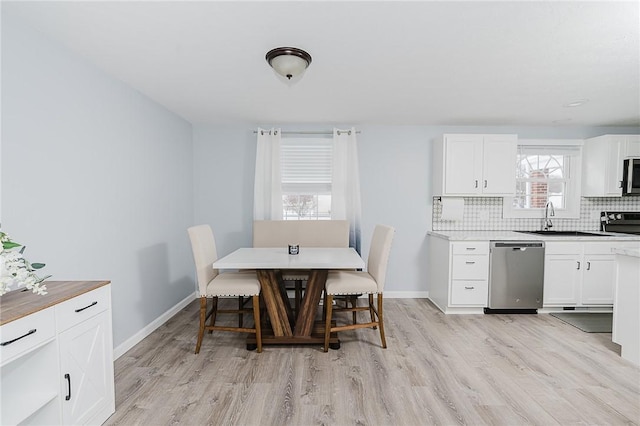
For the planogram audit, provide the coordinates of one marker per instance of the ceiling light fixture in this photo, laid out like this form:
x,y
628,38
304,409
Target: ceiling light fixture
x,y
289,62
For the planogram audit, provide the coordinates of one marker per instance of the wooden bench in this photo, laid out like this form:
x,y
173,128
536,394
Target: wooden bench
x,y
305,233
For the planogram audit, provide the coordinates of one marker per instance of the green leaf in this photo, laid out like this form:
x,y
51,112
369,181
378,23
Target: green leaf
x,y
9,245
37,265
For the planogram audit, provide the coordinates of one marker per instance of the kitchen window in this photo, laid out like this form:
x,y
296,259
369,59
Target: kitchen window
x,y
306,169
546,171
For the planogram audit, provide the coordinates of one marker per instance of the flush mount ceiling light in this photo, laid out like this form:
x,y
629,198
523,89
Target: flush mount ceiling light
x,y
289,62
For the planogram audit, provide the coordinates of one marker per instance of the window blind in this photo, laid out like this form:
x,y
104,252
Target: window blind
x,y
306,165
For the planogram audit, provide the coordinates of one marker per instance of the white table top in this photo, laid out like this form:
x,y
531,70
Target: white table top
x,y
279,258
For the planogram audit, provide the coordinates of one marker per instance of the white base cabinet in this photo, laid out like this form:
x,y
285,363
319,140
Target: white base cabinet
x,y
61,373
459,275
626,315
579,274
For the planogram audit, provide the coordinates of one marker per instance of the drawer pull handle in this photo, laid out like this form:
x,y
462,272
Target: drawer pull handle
x,y
29,333
469,263
468,288
67,376
87,307
578,265
471,248
588,266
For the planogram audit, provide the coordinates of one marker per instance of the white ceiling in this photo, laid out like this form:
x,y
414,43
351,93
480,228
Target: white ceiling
x,y
387,62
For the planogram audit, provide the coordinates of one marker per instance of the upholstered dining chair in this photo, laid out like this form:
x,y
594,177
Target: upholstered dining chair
x,y
349,283
213,285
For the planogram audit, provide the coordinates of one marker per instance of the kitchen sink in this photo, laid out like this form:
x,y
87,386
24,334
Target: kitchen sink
x,y
564,233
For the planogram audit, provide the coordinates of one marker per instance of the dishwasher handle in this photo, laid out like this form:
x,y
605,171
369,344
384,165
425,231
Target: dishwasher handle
x,y
518,244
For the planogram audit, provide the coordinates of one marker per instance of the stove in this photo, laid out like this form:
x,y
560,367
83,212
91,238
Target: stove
x,y
623,222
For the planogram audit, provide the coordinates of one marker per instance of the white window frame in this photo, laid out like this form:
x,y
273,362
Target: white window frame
x,y
572,200
318,183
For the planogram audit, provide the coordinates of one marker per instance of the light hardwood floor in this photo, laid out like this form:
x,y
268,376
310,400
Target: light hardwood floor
x,y
438,369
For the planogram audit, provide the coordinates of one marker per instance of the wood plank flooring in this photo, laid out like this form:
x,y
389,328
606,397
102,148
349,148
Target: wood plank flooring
x,y
438,369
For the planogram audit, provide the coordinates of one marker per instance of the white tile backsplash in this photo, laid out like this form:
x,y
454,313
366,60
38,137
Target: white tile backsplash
x,y
485,214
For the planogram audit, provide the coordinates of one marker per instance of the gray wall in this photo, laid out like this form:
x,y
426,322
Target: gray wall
x,y
96,178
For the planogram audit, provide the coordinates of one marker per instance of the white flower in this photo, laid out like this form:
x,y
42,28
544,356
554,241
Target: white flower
x,y
15,271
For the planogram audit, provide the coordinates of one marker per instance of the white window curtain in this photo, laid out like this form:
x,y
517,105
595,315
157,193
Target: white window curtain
x,y
267,190
345,184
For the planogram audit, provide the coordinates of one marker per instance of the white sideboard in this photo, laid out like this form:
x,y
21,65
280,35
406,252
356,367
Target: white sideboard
x,y
56,355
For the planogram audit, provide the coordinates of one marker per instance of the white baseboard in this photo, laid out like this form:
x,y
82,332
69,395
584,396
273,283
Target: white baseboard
x,y
152,326
406,294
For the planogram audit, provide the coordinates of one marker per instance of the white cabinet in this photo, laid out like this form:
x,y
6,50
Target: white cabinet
x,y
561,279
86,359
459,274
57,361
579,274
29,379
602,163
626,315
474,165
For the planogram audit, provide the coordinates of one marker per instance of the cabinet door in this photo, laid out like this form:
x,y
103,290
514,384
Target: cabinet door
x,y
613,175
598,280
499,165
86,362
463,164
632,147
561,278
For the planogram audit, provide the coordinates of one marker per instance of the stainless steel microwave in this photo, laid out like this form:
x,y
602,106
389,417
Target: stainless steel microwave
x,y
631,176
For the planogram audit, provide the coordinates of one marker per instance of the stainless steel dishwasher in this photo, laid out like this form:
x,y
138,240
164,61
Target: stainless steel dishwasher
x,y
516,276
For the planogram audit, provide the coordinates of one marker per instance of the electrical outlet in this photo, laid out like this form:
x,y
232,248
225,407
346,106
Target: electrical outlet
x,y
483,215
595,215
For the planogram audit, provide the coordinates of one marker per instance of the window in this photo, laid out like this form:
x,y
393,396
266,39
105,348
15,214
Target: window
x,y
546,171
306,178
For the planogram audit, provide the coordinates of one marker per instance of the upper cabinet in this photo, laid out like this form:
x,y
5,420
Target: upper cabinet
x,y
475,165
602,163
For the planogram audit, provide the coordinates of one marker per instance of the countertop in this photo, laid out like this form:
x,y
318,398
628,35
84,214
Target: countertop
x,y
18,303
633,252
518,236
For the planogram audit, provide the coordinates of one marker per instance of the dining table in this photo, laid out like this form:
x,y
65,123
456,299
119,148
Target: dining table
x,y
287,328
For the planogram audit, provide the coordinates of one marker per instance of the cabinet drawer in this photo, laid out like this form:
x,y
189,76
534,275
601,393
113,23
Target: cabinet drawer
x,y
606,247
470,268
472,247
76,310
26,333
555,247
469,292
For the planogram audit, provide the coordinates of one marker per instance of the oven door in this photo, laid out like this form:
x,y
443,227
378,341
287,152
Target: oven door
x,y
631,176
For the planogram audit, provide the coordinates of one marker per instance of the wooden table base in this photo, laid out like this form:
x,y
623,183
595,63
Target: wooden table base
x,y
316,338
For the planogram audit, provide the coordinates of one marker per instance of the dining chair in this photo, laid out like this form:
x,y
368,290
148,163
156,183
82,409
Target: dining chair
x,y
212,285
349,283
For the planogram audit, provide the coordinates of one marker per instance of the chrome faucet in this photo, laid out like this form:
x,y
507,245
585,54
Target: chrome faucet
x,y
547,214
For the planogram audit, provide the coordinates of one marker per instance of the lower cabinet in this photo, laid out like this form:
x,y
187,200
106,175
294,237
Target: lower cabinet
x,y
29,390
61,373
459,275
579,274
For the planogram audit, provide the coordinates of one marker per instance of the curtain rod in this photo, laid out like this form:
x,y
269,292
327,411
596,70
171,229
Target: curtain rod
x,y
303,132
